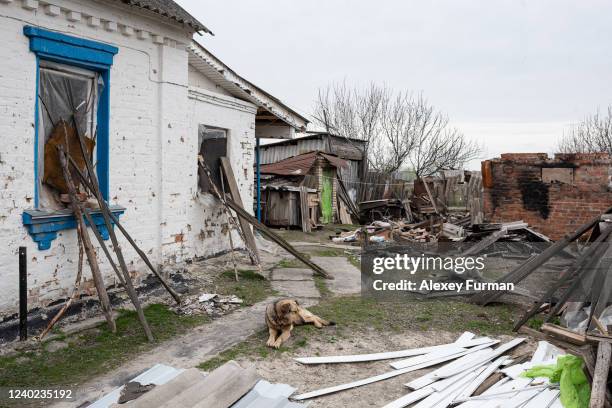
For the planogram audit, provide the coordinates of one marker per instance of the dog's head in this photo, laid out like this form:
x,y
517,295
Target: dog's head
x,y
287,311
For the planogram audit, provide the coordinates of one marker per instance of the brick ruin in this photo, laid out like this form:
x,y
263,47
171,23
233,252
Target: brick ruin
x,y
554,195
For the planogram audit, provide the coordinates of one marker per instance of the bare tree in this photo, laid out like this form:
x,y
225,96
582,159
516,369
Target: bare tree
x,y
593,134
437,145
398,129
351,112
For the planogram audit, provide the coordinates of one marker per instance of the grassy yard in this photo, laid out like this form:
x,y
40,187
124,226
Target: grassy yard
x,y
251,287
354,314
93,351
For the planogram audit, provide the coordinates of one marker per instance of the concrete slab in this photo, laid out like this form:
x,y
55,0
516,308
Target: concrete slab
x,y
347,278
296,289
293,274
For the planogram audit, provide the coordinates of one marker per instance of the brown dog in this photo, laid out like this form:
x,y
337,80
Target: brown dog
x,y
283,314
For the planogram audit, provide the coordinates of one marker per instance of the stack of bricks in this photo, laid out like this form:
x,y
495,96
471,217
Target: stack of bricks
x,y
555,196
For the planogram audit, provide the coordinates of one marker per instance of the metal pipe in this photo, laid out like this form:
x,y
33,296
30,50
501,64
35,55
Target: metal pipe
x,y
23,294
257,164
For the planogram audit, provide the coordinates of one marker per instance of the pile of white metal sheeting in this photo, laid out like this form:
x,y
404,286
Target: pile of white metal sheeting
x,y
463,367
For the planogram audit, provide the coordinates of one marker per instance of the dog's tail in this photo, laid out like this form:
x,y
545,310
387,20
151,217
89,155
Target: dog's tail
x,y
327,322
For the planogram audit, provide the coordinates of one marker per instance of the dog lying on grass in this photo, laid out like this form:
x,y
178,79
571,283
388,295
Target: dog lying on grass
x,y
283,314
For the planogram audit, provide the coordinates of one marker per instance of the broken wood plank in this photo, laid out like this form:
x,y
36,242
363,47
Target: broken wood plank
x,y
235,193
484,243
488,383
482,360
356,358
431,198
564,334
370,380
600,377
602,329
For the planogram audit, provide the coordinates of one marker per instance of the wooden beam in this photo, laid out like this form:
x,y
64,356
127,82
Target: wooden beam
x,y
235,194
600,377
77,208
564,334
242,213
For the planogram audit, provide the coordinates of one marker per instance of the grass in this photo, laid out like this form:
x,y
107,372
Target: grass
x,y
537,321
251,286
93,351
353,314
291,263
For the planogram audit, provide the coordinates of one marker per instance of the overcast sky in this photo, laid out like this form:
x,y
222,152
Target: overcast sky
x,y
511,74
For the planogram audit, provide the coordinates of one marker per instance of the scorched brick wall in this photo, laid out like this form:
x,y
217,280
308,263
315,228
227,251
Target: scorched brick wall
x,y
554,196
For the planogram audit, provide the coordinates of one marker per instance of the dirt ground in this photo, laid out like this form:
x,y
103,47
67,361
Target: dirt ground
x,y
283,369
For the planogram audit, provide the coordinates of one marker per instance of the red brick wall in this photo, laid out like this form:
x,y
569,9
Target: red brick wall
x,y
514,190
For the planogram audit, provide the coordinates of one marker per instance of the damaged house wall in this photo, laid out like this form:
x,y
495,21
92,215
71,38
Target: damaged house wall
x,y
554,195
152,146
208,228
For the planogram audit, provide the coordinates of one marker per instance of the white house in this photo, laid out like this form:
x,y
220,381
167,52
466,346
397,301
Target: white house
x,y
150,95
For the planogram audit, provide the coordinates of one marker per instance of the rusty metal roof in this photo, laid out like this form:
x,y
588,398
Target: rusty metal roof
x,y
301,164
169,9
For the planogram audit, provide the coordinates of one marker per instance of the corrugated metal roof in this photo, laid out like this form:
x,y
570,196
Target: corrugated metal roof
x,y
158,374
169,9
301,164
266,395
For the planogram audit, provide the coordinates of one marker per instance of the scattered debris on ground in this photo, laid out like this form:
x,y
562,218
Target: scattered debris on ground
x,y
471,373
227,386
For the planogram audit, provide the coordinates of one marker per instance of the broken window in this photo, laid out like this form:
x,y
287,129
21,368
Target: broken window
x,y
213,146
67,96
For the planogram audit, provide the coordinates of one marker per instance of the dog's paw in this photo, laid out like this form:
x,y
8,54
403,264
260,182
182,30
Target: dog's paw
x,y
271,343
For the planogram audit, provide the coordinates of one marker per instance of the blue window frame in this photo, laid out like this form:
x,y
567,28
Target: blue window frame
x,y
81,53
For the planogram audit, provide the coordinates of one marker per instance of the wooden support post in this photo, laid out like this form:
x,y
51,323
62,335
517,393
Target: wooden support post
x,y
277,238
23,294
129,287
229,230
249,219
235,194
142,255
600,376
89,249
304,211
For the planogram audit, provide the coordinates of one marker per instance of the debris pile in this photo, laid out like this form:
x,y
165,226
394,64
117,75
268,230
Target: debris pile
x,y
210,304
471,372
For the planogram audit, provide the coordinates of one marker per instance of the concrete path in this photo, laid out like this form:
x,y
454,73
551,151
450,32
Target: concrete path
x,y
186,351
295,283
208,340
347,277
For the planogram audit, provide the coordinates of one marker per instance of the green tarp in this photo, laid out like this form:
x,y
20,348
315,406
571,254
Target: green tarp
x,y
568,373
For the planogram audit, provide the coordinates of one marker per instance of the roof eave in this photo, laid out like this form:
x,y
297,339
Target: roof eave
x,y
254,94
